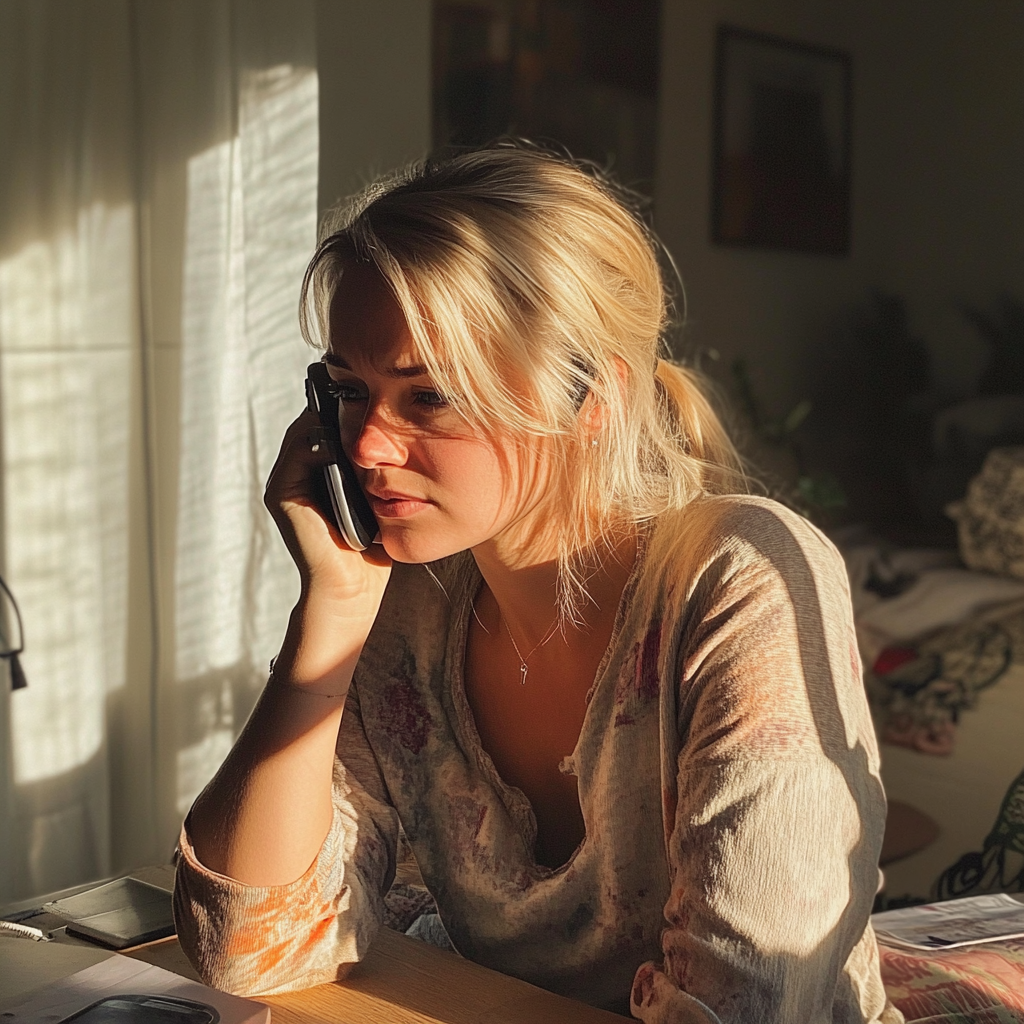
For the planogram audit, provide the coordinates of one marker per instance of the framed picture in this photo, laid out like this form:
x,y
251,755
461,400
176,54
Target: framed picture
x,y
781,175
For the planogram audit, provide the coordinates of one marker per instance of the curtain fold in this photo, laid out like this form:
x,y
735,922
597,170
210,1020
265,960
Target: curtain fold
x,y
158,181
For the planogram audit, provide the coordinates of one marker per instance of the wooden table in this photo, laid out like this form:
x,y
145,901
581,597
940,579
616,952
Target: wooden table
x,y
401,981
405,981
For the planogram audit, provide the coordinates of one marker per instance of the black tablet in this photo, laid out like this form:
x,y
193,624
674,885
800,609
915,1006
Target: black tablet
x,y
118,914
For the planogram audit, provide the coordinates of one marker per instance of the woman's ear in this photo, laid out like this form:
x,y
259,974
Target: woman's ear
x,y
594,412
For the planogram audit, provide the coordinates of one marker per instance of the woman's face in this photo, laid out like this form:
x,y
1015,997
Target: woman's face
x,y
436,484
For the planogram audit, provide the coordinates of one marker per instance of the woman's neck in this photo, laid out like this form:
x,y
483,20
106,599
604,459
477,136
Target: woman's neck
x,y
522,592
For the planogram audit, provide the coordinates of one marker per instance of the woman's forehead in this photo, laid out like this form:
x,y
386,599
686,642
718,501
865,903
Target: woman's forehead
x,y
366,322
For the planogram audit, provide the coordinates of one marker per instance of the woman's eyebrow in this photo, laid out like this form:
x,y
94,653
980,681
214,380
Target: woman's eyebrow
x,y
395,371
407,371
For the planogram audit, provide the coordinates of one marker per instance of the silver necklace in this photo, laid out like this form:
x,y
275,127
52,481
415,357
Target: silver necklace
x,y
522,661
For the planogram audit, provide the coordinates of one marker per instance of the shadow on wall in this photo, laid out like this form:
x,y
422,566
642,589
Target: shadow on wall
x,y
65,827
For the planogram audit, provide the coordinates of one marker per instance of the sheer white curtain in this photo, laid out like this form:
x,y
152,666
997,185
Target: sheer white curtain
x,y
158,186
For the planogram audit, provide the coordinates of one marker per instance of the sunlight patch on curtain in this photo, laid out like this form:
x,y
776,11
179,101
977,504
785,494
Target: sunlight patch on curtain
x,y
67,331
250,228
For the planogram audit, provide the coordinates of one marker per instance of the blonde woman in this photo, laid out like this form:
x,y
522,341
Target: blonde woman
x,y
615,706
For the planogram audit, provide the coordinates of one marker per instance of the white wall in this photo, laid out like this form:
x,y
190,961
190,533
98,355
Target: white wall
x,y
938,179
373,58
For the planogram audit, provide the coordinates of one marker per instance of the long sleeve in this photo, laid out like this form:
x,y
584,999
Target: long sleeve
x,y
253,940
779,811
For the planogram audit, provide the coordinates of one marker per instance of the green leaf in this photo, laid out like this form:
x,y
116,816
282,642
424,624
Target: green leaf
x,y
822,492
796,416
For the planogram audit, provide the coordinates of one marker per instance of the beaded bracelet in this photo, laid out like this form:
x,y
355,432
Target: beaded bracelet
x,y
301,689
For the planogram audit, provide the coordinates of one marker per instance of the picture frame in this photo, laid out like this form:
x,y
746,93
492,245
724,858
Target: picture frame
x,y
781,148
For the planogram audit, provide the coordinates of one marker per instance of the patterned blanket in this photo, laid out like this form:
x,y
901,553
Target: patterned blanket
x,y
971,985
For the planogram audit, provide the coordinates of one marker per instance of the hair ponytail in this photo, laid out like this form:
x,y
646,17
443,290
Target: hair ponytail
x,y
698,428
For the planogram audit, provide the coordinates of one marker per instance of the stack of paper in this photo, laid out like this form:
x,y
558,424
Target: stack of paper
x,y
953,923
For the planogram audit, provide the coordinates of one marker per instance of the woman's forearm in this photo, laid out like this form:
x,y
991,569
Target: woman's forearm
x,y
265,815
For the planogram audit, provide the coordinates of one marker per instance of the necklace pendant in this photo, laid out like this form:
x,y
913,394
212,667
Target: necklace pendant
x,y
522,675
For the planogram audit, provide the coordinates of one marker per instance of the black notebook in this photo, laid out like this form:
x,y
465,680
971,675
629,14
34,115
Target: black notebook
x,y
122,913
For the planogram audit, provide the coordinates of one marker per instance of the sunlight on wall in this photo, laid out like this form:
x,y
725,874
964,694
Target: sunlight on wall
x,y
216,471
67,328
251,227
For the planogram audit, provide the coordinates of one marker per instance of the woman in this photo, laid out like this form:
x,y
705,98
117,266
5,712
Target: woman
x,y
617,712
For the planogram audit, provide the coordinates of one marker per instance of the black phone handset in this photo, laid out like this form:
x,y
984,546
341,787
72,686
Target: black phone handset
x,y
145,1009
352,513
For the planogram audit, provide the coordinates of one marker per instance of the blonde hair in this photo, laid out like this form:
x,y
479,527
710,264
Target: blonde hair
x,y
528,284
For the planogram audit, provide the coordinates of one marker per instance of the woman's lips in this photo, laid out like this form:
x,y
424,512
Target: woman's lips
x,y
398,506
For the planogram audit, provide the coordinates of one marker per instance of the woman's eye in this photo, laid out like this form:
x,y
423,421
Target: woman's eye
x,y
431,399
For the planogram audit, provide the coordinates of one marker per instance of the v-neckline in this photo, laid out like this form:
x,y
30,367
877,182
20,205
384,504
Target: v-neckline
x,y
514,800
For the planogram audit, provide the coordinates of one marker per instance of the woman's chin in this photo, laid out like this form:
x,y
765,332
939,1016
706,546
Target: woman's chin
x,y
405,546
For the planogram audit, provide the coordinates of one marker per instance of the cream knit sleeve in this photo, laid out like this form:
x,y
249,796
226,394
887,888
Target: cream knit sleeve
x,y
252,940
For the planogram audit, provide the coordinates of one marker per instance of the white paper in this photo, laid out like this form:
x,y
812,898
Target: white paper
x,y
121,975
953,923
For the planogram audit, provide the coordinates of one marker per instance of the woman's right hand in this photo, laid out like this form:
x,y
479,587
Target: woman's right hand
x,y
351,583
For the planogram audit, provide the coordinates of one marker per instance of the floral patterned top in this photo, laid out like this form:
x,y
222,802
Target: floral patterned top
x,y
727,773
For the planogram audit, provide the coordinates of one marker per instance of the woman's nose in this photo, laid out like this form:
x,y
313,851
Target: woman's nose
x,y
378,442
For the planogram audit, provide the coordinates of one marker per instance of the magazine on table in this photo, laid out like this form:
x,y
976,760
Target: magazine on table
x,y
953,923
